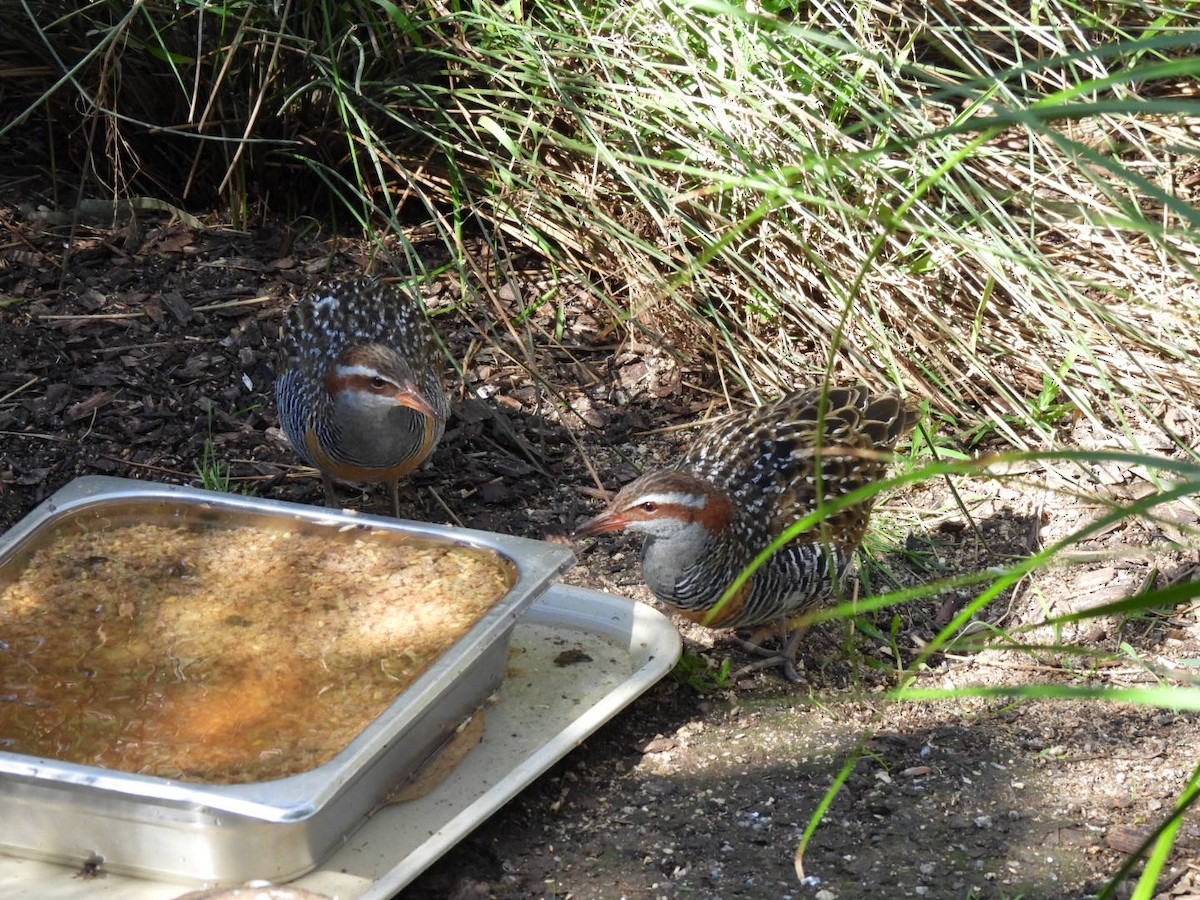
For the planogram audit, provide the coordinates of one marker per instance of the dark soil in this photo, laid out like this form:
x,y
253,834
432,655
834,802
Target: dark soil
x,y
127,348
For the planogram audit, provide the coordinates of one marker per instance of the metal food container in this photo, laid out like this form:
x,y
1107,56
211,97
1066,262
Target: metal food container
x,y
276,830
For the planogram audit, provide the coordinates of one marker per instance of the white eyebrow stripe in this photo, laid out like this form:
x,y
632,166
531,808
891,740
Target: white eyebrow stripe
x,y
366,371
673,498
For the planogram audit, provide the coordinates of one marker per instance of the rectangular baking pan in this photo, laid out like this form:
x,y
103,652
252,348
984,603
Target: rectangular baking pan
x,y
275,830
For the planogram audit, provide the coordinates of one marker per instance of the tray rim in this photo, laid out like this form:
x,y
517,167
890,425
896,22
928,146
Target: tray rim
x,y
86,489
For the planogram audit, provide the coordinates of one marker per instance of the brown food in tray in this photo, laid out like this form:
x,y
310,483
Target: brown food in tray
x,y
222,655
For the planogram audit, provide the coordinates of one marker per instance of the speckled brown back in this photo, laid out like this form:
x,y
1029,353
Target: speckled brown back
x,y
776,460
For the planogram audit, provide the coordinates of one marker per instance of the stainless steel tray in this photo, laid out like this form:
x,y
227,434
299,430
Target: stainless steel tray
x,y
541,713
274,830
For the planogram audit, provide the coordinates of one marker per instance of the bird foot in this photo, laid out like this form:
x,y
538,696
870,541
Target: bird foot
x,y
784,657
785,663
754,647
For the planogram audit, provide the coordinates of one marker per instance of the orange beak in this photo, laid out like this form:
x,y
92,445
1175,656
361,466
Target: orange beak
x,y
411,397
609,520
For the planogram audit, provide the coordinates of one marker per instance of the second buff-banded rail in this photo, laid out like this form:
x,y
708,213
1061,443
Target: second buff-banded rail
x,y
746,480
360,392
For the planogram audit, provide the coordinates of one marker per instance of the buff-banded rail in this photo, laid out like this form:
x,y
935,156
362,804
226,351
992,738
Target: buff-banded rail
x,y
360,391
747,478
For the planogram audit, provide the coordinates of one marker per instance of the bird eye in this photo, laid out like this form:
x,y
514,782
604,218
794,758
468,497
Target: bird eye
x,y
378,382
649,506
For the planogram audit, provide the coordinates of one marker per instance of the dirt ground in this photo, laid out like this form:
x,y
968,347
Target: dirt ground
x,y
125,348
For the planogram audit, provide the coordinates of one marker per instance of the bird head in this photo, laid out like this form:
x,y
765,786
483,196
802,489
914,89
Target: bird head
x,y
377,377
663,504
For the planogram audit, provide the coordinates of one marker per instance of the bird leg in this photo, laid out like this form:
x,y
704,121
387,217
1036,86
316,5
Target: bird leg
x,y
393,492
785,658
331,499
791,632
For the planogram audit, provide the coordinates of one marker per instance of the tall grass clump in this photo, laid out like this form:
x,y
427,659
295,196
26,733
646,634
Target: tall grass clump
x,y
978,207
989,207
